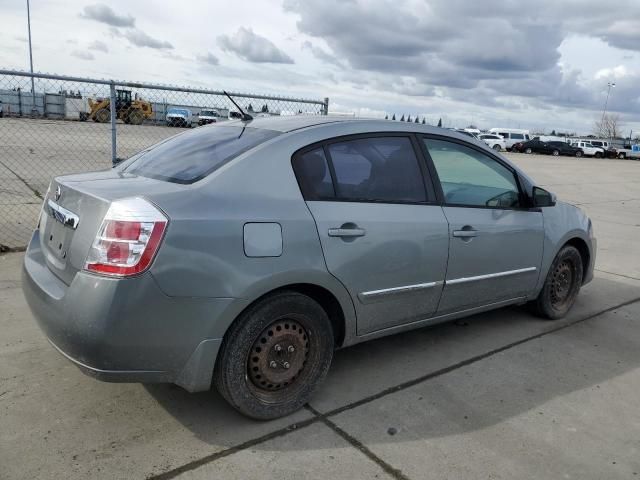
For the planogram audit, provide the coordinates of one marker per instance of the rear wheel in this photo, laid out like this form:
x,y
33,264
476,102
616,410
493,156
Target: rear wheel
x,y
496,147
561,286
135,117
555,153
274,356
579,153
622,155
102,116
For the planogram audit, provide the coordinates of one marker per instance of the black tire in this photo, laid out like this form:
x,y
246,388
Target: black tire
x,y
561,286
135,117
528,150
598,155
497,147
622,156
555,153
579,153
102,116
244,374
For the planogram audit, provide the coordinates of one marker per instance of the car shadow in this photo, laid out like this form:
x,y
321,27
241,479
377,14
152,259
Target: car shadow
x,y
363,371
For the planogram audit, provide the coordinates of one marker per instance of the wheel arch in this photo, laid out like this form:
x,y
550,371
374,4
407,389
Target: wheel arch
x,y
583,249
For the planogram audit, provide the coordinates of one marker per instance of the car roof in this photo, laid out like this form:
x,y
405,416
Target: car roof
x,y
286,124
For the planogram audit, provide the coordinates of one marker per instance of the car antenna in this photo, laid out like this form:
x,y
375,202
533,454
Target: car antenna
x,y
245,116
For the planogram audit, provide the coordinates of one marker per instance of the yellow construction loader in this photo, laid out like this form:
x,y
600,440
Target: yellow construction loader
x,y
127,110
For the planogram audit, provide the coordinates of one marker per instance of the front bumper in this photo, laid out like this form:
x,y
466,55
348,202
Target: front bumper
x,y
126,330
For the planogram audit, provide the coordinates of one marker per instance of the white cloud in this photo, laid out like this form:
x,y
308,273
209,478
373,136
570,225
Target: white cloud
x,y
612,73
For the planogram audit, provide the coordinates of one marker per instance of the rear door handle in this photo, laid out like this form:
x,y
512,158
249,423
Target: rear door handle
x,y
465,233
346,232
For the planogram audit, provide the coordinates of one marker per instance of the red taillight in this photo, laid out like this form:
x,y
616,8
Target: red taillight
x,y
128,238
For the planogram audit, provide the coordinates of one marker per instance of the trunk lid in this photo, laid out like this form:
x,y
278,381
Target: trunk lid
x,y
74,208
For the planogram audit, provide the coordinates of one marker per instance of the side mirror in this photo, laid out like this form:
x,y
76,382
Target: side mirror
x,y
542,198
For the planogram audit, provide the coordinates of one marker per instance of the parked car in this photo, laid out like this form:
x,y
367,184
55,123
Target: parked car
x,y
588,149
632,152
610,150
241,254
1,110
179,117
511,135
494,141
208,116
551,148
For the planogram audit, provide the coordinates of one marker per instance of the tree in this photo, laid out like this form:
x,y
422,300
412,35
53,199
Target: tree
x,y
440,122
394,117
423,121
250,108
416,120
408,118
553,133
609,126
265,109
386,117
402,118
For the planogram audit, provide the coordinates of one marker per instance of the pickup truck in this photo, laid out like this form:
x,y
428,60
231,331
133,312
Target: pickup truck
x,y
633,153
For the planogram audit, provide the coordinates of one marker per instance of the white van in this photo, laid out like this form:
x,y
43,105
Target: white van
x,y
511,135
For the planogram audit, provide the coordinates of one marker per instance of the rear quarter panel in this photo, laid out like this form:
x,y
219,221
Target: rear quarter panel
x,y
203,251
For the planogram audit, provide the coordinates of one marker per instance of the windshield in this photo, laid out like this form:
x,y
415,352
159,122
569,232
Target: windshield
x,y
178,111
193,155
208,113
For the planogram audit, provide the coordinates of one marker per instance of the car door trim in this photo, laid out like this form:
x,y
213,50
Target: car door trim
x,y
489,276
372,295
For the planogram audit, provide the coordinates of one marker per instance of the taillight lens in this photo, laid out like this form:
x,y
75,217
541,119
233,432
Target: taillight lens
x,y
128,238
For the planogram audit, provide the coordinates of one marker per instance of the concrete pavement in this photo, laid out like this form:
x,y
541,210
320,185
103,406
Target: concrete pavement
x,y
497,395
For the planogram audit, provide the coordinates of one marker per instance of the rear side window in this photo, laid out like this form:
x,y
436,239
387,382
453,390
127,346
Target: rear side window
x,y
193,155
314,178
517,136
504,135
379,169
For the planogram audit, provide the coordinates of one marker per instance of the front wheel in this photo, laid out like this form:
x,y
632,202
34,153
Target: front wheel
x,y
555,153
598,155
578,154
528,150
561,286
622,156
496,147
274,356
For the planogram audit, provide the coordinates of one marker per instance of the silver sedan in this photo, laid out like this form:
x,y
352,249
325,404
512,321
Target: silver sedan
x,y
242,254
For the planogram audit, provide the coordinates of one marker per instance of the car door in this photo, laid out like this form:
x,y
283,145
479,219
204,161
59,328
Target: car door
x,y
495,242
382,233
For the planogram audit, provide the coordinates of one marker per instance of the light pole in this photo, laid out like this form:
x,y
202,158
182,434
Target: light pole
x,y
604,111
34,110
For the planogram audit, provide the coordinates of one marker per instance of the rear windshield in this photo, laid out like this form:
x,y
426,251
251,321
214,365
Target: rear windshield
x,y
193,155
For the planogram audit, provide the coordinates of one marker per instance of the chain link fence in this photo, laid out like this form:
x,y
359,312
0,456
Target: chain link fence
x,y
54,125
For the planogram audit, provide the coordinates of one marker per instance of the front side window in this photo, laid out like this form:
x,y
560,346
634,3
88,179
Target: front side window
x,y
471,178
193,155
517,136
378,169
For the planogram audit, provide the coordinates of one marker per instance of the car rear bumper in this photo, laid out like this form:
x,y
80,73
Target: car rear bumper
x,y
126,330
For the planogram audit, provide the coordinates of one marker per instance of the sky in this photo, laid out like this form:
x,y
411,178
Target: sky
x,y
541,64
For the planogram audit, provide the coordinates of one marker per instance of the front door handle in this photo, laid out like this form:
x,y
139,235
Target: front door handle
x,y
465,233
346,232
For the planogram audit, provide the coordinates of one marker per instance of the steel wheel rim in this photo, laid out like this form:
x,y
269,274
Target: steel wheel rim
x,y
278,356
562,284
